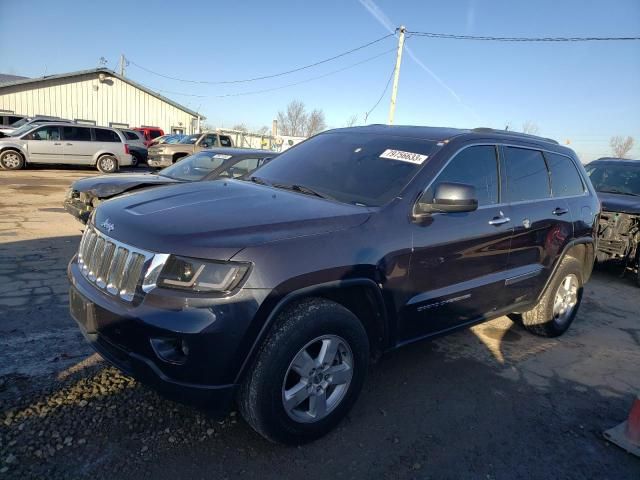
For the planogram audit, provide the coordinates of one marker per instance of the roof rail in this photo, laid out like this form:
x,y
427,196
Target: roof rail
x,y
514,134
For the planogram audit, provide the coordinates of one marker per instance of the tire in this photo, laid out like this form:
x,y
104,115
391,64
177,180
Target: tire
x,y
312,325
135,160
559,304
107,164
11,160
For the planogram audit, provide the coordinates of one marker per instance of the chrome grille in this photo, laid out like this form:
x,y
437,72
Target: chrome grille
x,y
112,266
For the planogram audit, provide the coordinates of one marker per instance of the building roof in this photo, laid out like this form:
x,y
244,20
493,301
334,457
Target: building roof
x,y
7,78
19,81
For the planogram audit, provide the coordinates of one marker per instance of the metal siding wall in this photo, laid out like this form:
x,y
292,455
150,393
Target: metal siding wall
x,y
77,98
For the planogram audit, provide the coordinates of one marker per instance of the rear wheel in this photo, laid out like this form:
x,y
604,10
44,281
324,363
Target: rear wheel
x,y
135,159
107,164
559,304
11,160
307,374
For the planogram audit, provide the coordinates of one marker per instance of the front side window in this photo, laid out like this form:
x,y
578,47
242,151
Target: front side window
x,y
77,134
565,179
527,175
357,168
621,179
476,166
104,135
195,167
50,133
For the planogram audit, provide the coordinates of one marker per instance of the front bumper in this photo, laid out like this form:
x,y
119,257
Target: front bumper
x,y
80,210
123,333
159,161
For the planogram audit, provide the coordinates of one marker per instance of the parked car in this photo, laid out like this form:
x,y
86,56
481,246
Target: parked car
x,y
275,289
27,122
617,182
167,154
86,194
166,139
9,118
149,133
61,143
137,146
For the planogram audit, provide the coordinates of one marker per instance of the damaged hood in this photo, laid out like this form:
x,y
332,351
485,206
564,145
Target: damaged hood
x,y
615,202
203,219
106,186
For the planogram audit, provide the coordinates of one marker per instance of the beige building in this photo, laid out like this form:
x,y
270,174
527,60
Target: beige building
x,y
97,97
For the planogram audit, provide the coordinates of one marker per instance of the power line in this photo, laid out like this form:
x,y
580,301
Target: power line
x,y
264,77
451,36
254,92
386,87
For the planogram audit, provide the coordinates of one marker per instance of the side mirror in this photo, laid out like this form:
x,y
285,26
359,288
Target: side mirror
x,y
448,198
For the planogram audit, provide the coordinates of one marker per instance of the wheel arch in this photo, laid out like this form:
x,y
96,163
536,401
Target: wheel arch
x,y
102,153
361,296
582,249
16,148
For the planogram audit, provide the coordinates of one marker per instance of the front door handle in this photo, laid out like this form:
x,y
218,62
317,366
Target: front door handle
x,y
70,144
57,143
500,220
560,211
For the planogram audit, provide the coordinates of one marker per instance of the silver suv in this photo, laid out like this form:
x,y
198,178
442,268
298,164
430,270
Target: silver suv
x,y
63,143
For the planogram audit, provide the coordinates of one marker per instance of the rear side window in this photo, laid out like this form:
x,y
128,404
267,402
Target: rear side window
x,y
476,166
527,175
565,179
77,134
225,141
103,135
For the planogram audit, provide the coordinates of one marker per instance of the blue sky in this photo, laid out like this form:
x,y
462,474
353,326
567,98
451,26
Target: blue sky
x,y
582,92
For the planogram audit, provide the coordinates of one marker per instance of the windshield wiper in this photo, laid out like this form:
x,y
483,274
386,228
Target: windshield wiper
x,y
303,189
258,180
620,192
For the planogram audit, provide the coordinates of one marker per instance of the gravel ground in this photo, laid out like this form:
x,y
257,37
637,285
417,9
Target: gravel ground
x,y
488,402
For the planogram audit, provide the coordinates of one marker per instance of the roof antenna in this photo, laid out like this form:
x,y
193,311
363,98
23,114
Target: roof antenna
x,y
506,128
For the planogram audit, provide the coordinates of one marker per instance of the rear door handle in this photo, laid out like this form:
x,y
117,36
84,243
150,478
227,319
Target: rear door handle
x,y
57,143
70,144
560,211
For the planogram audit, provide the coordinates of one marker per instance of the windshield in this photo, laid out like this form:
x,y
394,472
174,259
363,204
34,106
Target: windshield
x,y
195,167
23,129
190,139
19,123
173,139
357,168
623,179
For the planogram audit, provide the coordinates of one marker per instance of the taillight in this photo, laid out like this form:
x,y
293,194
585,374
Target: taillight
x,y
126,149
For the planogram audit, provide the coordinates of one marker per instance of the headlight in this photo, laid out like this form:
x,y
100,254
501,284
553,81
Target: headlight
x,y
195,275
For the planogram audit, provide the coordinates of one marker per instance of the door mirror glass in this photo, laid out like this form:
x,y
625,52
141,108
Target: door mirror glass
x,y
449,197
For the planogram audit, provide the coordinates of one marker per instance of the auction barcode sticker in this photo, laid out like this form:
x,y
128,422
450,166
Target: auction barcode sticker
x,y
403,156
222,156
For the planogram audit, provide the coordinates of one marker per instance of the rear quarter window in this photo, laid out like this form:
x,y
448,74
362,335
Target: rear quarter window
x,y
103,135
565,179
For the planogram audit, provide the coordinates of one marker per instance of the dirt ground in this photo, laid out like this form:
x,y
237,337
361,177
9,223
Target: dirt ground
x,y
490,402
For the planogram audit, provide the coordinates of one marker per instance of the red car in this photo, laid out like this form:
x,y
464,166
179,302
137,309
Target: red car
x,y
150,133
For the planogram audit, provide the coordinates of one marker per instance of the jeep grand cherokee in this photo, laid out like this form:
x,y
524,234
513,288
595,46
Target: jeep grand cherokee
x,y
274,291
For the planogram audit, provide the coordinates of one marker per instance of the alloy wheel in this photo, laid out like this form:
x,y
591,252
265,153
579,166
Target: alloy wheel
x,y
566,298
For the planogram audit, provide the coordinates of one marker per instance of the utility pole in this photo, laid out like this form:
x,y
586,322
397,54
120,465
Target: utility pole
x,y
122,64
396,75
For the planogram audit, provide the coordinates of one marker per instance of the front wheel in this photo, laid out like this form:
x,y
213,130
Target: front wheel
x,y
560,302
107,164
11,160
307,374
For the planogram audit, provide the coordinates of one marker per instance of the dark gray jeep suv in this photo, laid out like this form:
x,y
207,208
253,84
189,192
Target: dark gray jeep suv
x,y
275,290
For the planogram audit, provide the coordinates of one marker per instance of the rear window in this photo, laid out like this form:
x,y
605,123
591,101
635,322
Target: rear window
x,y
527,175
78,134
104,135
565,179
154,133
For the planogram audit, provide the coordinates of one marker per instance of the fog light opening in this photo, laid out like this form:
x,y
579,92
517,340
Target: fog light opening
x,y
171,350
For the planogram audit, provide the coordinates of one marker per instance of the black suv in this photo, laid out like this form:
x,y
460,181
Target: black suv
x,y
275,290
617,182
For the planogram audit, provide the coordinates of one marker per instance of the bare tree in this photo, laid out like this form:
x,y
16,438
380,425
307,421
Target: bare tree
x,y
315,123
241,127
351,121
530,127
294,121
621,146
205,127
264,130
